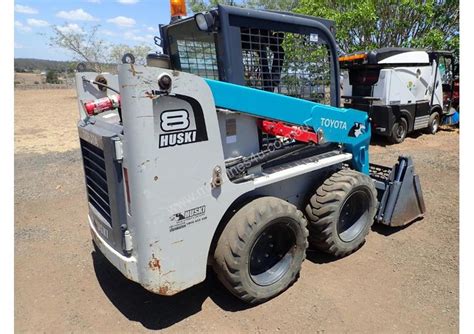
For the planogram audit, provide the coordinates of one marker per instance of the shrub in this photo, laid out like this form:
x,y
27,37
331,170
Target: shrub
x,y
52,77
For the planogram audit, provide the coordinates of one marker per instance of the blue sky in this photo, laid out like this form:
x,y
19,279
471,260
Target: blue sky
x,y
121,21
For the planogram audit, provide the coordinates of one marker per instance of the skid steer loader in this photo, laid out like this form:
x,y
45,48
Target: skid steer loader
x,y
230,150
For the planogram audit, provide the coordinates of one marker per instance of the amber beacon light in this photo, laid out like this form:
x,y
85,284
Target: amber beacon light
x,y
178,9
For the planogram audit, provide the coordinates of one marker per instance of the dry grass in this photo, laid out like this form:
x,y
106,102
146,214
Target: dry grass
x,y
29,78
45,121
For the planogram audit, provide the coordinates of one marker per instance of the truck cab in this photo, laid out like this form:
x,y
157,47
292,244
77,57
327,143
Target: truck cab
x,y
402,89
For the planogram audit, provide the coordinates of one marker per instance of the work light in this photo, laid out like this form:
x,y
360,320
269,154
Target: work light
x,y
204,21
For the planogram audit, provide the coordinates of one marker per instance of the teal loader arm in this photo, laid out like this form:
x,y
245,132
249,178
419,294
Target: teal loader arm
x,y
349,127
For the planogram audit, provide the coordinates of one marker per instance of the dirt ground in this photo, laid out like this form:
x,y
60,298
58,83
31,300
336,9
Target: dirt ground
x,y
401,280
29,78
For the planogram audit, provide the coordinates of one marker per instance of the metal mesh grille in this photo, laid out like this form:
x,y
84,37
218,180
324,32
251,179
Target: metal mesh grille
x,y
380,173
198,57
287,63
96,179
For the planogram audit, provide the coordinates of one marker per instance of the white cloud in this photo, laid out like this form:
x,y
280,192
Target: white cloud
x,y
93,1
76,15
133,36
22,27
152,29
37,23
108,33
71,28
122,21
128,2
25,9
19,46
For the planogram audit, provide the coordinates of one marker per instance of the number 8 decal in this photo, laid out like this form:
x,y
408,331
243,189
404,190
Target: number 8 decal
x,y
174,120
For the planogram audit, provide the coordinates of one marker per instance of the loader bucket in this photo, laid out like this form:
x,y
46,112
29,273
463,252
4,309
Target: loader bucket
x,y
399,193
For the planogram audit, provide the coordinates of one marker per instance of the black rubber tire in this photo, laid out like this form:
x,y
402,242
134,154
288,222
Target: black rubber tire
x,y
326,205
399,131
235,247
433,123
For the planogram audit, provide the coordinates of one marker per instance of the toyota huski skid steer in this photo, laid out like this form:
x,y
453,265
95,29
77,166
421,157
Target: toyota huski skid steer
x,y
230,150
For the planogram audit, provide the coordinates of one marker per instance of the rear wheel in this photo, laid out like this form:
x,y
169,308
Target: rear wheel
x,y
399,131
341,212
260,251
433,124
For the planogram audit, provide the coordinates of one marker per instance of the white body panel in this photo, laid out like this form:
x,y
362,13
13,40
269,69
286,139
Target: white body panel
x,y
410,57
403,85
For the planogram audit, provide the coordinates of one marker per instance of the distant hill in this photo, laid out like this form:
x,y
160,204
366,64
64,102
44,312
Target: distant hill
x,y
30,65
39,65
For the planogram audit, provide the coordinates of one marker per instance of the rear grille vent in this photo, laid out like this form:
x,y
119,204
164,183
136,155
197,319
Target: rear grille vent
x,y
96,179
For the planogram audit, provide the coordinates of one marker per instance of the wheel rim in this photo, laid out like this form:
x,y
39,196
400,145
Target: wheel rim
x,y
435,125
353,216
272,253
400,132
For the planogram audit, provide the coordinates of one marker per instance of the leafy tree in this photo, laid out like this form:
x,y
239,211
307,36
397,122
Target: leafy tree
x,y
85,45
369,24
140,52
203,5
52,77
283,5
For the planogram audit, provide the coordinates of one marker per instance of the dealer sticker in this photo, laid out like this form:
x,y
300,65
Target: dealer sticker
x,y
185,218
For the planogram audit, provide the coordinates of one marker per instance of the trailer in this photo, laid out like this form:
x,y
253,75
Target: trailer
x,y
220,153
402,89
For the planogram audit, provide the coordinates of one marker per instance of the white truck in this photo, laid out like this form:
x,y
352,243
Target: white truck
x,y
402,89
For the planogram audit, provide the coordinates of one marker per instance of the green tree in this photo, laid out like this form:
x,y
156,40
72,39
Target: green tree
x,y
283,5
369,24
52,77
203,5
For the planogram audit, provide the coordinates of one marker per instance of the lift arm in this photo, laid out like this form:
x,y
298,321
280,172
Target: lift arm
x,y
349,127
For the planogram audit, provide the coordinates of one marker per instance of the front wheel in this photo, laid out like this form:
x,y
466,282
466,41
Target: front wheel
x,y
433,124
399,131
261,249
341,212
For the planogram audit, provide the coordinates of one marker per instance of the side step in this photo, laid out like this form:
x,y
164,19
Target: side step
x,y
399,193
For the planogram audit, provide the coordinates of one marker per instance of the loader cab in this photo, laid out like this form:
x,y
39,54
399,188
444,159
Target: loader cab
x,y
285,53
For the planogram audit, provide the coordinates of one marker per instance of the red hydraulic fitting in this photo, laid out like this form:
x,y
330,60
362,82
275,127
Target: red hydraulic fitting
x,y
289,131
